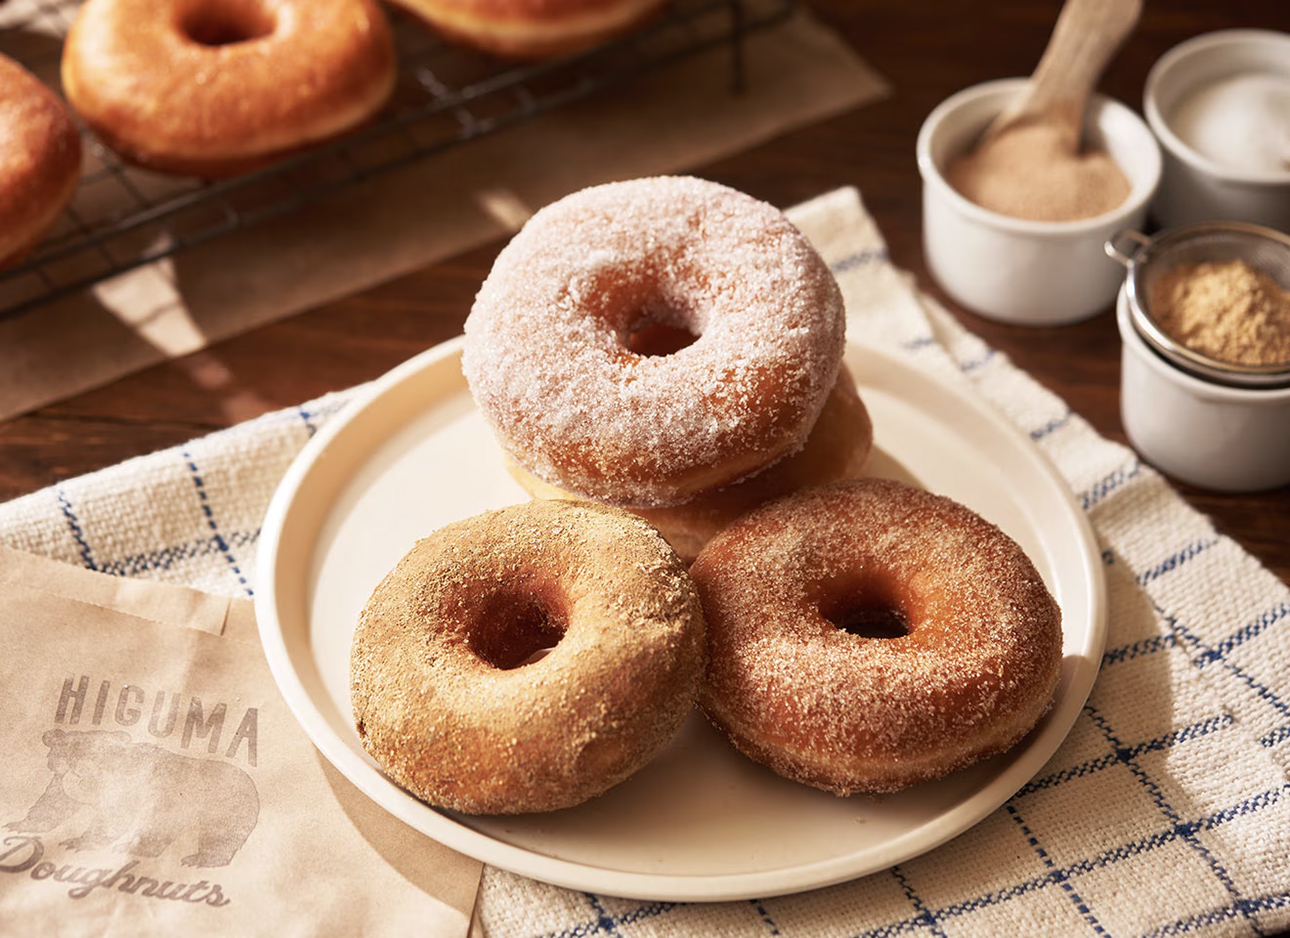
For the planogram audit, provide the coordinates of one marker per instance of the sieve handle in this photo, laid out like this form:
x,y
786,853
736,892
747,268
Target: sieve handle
x,y
1112,247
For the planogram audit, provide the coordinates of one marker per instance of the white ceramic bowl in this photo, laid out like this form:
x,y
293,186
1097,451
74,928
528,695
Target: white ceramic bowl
x,y
1195,187
1227,439
1015,270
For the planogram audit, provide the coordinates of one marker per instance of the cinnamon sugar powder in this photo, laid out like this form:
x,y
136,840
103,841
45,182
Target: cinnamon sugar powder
x,y
1228,311
1029,171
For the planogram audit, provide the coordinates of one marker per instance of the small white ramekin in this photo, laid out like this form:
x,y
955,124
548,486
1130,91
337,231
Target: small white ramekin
x,y
1015,270
1210,435
1193,187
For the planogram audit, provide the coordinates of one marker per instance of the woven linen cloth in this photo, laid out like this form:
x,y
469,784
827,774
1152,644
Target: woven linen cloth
x,y
1165,812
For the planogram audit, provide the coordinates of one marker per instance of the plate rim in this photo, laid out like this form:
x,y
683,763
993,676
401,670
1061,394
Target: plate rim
x,y
667,886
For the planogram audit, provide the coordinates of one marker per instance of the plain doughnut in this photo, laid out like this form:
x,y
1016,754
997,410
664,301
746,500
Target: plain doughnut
x,y
547,351
40,160
867,635
532,29
837,448
211,88
443,697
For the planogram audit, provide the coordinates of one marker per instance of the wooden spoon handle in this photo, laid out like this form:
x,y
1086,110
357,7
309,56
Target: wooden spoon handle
x,y
1087,34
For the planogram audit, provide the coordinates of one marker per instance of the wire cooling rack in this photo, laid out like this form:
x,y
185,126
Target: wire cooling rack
x,y
124,217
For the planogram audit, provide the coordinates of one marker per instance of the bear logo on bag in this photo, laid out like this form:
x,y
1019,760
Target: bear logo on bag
x,y
143,798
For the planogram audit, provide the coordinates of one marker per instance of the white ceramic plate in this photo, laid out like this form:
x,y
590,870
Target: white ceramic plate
x,y
700,822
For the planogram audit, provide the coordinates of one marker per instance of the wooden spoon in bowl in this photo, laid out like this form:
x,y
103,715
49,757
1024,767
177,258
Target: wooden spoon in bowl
x,y
1087,34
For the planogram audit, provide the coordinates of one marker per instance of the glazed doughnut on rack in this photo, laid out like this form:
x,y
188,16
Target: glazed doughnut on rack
x,y
213,89
532,29
40,160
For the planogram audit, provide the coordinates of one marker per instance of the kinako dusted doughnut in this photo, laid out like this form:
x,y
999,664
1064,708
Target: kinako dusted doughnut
x,y
547,349
837,448
447,697
868,635
40,160
212,88
532,29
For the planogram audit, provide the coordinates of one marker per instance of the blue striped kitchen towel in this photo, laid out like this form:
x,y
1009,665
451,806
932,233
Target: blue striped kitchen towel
x,y
1167,810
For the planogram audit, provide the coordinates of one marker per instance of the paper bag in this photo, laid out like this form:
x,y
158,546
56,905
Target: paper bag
x,y
155,782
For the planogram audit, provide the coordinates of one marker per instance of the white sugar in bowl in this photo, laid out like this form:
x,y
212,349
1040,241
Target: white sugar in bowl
x,y
1220,106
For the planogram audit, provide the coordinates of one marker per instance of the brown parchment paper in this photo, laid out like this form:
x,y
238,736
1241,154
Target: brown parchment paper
x,y
155,782
676,118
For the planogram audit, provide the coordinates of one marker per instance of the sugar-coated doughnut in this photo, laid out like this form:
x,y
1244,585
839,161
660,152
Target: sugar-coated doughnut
x,y
40,160
443,697
211,88
532,29
547,351
868,635
837,448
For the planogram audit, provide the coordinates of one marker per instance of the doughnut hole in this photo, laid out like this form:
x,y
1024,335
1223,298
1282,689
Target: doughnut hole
x,y
515,627
659,338
227,23
868,606
649,318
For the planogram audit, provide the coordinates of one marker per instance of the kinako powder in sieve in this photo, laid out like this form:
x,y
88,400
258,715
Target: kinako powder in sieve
x,y
1225,310
1029,171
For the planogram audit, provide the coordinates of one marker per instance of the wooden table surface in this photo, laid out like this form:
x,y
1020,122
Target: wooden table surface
x,y
927,50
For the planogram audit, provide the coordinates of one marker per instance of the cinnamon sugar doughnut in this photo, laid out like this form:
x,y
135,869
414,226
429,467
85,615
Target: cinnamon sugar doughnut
x,y
211,88
444,699
532,29
798,596
836,448
40,160
547,358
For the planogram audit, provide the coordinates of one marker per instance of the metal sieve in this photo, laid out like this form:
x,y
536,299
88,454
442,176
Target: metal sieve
x,y
1149,258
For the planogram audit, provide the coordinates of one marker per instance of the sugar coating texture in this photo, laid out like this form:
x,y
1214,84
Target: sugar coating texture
x,y
845,712
837,448
546,351
446,718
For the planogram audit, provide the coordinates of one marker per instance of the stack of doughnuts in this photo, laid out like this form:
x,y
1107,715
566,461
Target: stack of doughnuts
x,y
558,355
40,160
836,448
664,356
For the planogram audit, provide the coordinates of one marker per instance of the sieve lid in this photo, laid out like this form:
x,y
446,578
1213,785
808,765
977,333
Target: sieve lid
x,y
1150,258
